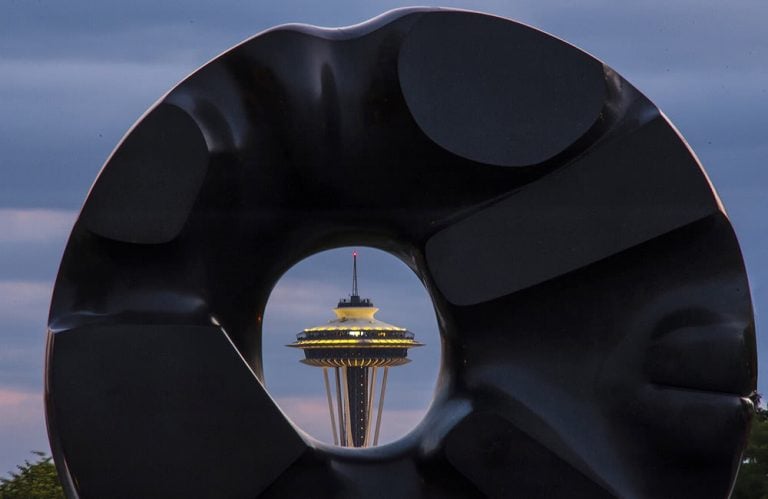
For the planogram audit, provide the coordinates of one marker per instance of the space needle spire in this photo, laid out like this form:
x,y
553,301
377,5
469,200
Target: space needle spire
x,y
354,276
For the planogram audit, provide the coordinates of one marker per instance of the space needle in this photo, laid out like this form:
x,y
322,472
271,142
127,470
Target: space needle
x,y
355,345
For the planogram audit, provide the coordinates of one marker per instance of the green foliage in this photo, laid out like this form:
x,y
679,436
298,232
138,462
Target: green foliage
x,y
752,482
36,480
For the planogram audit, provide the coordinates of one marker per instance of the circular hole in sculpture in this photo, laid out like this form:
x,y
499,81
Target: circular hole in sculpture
x,y
340,329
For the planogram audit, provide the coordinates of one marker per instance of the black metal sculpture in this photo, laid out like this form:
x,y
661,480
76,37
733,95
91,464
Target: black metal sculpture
x,y
595,314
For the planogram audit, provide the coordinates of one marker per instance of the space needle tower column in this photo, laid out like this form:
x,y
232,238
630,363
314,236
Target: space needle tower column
x,y
355,345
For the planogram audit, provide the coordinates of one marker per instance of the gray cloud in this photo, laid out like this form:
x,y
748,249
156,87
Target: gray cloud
x,y
24,310
21,301
311,415
31,242
37,225
64,118
22,427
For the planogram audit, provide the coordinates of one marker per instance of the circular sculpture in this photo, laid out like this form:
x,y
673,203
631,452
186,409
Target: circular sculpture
x,y
594,309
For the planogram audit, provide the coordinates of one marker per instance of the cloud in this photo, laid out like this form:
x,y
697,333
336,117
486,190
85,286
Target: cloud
x,y
31,242
22,426
306,301
68,117
397,423
81,74
656,34
24,301
23,316
58,92
310,289
35,225
311,415
167,30
16,406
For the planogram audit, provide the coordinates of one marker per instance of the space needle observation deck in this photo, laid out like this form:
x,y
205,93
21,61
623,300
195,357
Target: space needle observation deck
x,y
355,345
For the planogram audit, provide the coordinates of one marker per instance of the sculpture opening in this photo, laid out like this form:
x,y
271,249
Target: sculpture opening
x,y
353,317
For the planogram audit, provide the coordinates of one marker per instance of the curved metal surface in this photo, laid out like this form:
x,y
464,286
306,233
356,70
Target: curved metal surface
x,y
595,315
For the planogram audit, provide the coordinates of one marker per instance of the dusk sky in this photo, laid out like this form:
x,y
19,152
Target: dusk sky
x,y
74,76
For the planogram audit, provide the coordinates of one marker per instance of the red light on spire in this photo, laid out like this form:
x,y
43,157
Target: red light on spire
x,y
354,253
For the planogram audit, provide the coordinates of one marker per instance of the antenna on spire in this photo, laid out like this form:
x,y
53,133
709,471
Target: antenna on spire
x,y
354,274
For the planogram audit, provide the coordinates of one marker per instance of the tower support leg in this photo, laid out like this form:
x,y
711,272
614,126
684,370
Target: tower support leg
x,y
347,413
340,408
381,406
330,405
369,418
357,383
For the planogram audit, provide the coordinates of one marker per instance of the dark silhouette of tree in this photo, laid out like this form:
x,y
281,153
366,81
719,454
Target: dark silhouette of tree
x,y
752,482
36,480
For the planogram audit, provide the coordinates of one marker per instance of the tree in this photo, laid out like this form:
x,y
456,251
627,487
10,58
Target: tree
x,y
752,482
36,480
